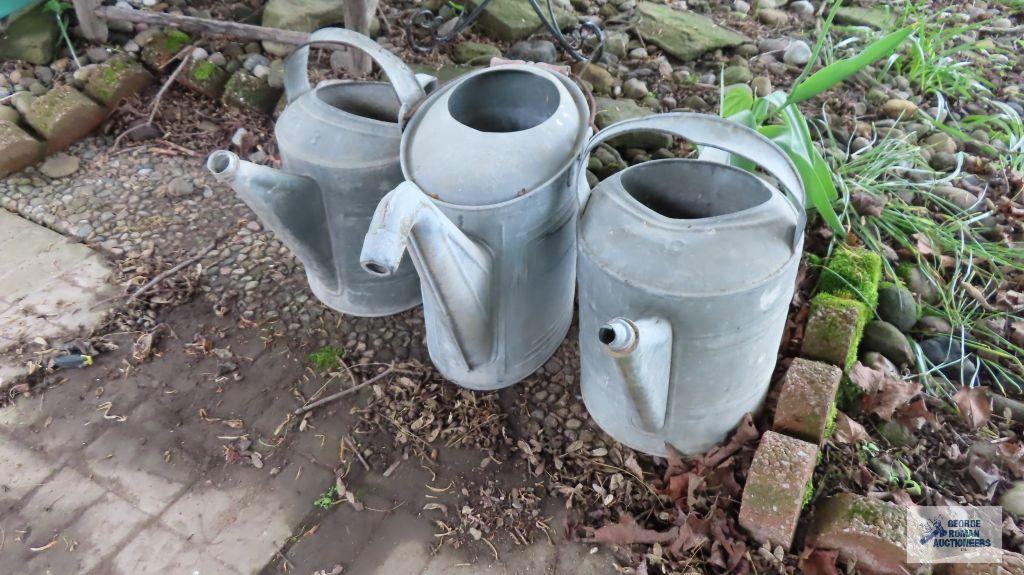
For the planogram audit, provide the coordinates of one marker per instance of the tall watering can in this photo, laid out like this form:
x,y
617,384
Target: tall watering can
x,y
686,272
339,146
488,215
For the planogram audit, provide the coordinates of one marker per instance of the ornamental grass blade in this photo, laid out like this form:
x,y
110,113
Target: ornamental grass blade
x,y
836,72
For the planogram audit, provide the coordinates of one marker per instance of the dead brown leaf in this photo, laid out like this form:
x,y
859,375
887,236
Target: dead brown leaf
x,y
744,434
819,562
849,431
883,393
974,405
627,532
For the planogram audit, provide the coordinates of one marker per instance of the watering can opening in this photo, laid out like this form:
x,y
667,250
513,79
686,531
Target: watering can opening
x,y
504,101
372,100
683,189
222,163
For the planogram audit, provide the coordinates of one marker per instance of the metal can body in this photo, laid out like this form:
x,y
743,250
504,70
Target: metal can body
x,y
338,135
723,341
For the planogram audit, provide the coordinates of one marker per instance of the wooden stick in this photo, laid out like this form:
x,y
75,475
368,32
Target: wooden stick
x,y
1001,404
164,275
345,392
93,27
203,25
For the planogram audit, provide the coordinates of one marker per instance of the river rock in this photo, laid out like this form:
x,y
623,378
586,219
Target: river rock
x,y
681,33
597,76
897,306
897,108
205,77
246,91
874,17
9,114
797,53
301,16
918,282
511,20
772,17
959,197
610,111
736,75
942,350
888,340
59,166
534,51
931,324
32,36
635,89
475,53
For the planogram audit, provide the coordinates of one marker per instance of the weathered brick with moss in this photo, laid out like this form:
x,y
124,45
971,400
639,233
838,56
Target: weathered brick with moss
x,y
17,148
162,48
116,79
854,274
246,91
777,483
868,531
206,78
807,401
62,116
834,328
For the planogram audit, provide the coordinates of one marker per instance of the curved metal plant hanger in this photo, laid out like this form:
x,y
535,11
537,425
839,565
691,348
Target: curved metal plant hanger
x,y
434,25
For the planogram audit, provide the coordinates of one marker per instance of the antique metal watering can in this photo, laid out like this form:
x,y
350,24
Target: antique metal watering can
x,y
339,145
488,215
686,272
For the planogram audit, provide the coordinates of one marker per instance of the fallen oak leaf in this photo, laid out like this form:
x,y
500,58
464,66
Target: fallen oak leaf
x,y
627,532
975,405
744,434
849,431
693,534
819,561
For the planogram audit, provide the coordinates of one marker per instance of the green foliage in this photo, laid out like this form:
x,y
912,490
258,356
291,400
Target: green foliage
x,y
777,117
327,358
854,274
327,499
59,8
203,70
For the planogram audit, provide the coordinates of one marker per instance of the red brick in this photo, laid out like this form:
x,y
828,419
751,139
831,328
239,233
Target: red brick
x,y
807,399
1013,564
776,484
866,531
63,115
17,149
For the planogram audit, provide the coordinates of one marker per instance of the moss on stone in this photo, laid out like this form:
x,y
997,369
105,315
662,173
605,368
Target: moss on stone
x,y
830,420
175,40
854,274
115,79
808,492
203,70
837,311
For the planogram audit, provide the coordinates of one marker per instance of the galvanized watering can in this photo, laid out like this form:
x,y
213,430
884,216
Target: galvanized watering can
x,y
488,215
339,145
686,272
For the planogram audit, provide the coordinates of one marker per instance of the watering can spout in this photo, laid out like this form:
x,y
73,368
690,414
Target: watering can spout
x,y
284,203
642,351
454,270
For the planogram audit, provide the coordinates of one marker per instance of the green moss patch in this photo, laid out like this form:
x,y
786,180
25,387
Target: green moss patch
x,y
175,40
854,274
834,329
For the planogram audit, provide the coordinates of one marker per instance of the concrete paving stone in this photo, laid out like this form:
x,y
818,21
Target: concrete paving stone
x,y
97,533
244,515
399,545
50,287
536,559
160,551
47,512
579,559
141,460
340,536
22,470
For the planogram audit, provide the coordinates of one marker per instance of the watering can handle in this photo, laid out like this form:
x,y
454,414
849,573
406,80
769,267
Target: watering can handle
x,y
715,132
407,87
